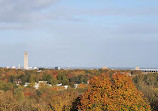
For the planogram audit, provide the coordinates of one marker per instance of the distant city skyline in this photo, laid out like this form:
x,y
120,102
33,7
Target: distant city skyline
x,y
79,33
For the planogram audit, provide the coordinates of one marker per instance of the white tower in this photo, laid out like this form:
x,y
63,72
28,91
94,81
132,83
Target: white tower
x,y
26,60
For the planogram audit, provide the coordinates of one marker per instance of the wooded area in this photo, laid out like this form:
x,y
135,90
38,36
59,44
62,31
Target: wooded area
x,y
97,90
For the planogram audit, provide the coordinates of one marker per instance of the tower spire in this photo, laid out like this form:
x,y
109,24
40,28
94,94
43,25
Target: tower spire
x,y
26,60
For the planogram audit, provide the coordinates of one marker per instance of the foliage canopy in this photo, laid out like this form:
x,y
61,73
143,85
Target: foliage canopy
x,y
113,94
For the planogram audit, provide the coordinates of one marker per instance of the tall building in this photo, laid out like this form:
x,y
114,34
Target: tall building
x,y
26,60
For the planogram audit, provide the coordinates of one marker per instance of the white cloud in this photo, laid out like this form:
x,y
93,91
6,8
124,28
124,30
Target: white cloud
x,y
34,12
22,10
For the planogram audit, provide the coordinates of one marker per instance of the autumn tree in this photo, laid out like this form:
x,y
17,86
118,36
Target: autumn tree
x,y
113,94
148,84
7,101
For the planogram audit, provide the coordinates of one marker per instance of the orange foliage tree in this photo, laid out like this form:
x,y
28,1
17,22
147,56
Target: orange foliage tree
x,y
113,94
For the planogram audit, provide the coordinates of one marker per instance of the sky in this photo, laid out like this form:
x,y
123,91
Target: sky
x,y
79,33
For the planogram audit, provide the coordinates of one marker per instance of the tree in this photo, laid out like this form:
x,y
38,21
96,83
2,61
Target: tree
x,y
6,86
54,81
148,84
7,101
115,93
47,77
63,79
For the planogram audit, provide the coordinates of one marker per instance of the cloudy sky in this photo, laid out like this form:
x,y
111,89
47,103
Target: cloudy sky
x,y
79,32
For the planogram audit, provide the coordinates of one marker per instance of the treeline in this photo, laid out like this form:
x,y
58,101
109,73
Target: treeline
x,y
66,77
18,98
148,84
43,99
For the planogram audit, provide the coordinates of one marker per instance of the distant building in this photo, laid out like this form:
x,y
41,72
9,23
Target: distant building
x,y
104,67
66,86
37,85
57,68
59,84
19,66
13,67
26,60
17,81
137,68
76,85
30,68
35,68
42,82
39,71
26,84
